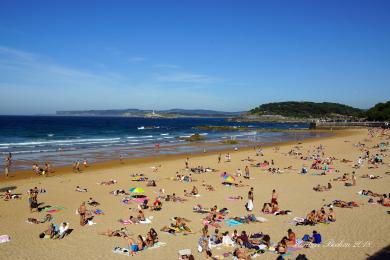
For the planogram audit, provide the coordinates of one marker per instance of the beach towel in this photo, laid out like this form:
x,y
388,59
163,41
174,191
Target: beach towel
x,y
232,222
53,209
185,252
129,222
261,219
121,250
146,221
4,239
157,245
98,212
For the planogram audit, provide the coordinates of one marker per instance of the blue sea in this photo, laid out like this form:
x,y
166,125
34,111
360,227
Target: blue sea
x,y
62,140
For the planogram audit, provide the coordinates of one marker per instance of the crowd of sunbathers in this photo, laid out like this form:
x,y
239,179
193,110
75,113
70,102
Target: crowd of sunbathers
x,y
183,177
248,245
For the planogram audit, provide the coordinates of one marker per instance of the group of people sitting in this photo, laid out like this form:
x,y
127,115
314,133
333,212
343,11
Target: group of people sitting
x,y
192,193
9,196
273,208
183,178
55,232
318,216
323,188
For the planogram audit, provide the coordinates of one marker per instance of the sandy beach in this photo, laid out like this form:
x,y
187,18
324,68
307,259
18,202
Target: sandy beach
x,y
357,233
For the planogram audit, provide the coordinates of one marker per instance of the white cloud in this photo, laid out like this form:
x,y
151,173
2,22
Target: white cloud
x,y
185,77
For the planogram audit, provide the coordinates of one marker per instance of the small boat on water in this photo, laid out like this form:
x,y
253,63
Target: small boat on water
x,y
141,128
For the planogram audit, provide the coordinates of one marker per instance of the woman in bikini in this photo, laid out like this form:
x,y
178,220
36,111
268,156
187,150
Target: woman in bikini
x,y
135,246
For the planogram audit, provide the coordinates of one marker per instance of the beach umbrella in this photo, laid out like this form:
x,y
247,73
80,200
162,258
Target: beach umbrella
x,y
229,179
227,176
137,190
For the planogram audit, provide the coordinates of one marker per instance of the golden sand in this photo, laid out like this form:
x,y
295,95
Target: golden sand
x,y
367,223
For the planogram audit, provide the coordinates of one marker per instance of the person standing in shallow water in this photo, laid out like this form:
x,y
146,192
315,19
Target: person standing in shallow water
x,y
7,164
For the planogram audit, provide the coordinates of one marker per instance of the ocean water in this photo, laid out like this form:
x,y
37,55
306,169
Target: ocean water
x,y
62,140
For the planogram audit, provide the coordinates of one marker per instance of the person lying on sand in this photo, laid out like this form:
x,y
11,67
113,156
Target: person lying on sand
x,y
235,198
369,193
9,196
47,218
240,254
343,204
131,220
78,189
110,182
119,192
115,233
370,176
343,178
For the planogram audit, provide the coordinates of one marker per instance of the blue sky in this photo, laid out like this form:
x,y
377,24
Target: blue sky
x,y
223,55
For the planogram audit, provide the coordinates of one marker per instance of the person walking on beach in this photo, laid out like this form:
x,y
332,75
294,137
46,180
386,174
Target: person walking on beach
x,y
82,212
186,162
78,166
353,179
121,159
219,158
249,205
7,164
85,163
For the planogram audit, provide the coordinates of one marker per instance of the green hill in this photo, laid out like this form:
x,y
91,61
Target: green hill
x,y
307,109
380,112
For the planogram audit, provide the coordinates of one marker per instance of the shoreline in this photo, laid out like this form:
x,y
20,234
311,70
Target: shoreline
x,y
159,158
